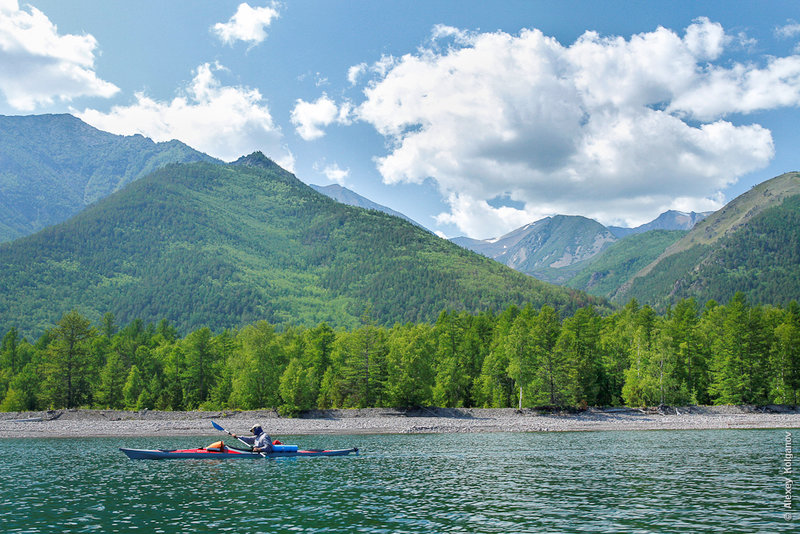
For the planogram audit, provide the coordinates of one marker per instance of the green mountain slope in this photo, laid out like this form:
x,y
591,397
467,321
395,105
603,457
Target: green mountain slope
x,y
226,245
547,248
53,166
751,245
604,273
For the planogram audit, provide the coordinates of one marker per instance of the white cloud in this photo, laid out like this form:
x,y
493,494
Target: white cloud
x,y
603,127
248,24
38,66
334,173
223,121
354,72
310,118
789,30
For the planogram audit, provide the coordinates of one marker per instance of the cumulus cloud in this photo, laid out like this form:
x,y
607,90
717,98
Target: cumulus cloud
x,y
603,127
310,118
248,24
38,66
223,121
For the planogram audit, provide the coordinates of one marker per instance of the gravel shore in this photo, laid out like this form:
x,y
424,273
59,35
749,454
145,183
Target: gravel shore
x,y
98,423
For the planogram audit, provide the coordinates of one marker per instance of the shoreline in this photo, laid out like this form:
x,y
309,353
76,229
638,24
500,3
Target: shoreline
x,y
114,423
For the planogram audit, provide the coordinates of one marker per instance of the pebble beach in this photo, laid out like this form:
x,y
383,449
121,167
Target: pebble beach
x,y
101,423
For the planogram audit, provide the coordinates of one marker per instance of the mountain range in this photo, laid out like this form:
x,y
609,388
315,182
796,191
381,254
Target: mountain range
x,y
751,245
53,166
351,198
158,230
556,249
223,245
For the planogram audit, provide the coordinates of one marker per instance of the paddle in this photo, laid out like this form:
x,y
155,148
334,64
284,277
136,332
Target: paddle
x,y
218,427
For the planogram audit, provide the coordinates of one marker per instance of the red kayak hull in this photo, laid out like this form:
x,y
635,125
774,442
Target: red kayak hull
x,y
227,454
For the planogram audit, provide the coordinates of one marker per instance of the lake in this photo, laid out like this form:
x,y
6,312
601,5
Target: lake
x,y
654,481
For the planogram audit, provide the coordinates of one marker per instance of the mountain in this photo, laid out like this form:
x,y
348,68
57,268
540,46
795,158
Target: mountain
x,y
542,248
351,198
53,166
223,245
605,272
669,220
750,245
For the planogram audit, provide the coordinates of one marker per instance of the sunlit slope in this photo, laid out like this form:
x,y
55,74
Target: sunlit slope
x,y
226,245
750,245
53,166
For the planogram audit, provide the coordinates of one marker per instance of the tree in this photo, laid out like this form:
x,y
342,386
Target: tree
x,y
551,376
452,386
112,382
202,365
739,366
133,388
68,369
786,360
10,358
297,388
409,365
521,352
22,391
579,345
364,370
257,364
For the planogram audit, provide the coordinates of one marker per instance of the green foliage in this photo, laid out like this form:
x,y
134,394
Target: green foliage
x,y
604,273
760,259
55,165
737,353
224,246
68,369
409,365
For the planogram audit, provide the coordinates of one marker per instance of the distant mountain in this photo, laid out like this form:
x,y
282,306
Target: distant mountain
x,y
556,249
677,255
751,245
226,245
669,220
542,248
351,198
605,272
53,166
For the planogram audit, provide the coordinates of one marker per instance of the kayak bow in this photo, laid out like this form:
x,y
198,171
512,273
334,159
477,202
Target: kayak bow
x,y
227,454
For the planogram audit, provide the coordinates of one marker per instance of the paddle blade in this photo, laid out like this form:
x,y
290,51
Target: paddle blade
x,y
215,425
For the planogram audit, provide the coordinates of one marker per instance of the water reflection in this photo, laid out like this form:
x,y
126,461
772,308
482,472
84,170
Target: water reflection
x,y
726,481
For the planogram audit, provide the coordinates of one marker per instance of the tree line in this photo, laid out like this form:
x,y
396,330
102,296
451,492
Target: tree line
x,y
736,353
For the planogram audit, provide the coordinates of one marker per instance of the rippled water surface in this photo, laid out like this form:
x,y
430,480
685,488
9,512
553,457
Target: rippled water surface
x,y
658,481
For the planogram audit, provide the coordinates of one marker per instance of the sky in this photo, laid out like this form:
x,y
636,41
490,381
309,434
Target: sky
x,y
473,118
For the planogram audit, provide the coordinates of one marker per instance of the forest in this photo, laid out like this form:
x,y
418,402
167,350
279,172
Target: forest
x,y
735,353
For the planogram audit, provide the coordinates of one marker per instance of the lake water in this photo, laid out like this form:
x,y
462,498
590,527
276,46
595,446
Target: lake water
x,y
657,481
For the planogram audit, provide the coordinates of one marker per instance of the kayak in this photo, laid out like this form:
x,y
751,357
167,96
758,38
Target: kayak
x,y
230,454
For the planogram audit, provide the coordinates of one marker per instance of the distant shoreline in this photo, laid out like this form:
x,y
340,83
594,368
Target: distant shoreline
x,y
111,423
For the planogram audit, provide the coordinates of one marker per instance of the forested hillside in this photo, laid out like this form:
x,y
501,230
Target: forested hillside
x,y
732,354
760,258
227,245
53,166
604,273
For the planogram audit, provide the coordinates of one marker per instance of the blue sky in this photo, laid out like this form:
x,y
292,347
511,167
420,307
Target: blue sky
x,y
473,118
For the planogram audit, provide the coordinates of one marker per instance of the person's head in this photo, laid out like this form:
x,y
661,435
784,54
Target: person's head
x,y
256,430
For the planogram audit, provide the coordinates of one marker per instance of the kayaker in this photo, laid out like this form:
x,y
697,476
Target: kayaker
x,y
260,441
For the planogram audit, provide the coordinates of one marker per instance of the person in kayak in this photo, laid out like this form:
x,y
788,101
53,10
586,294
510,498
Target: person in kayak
x,y
261,442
